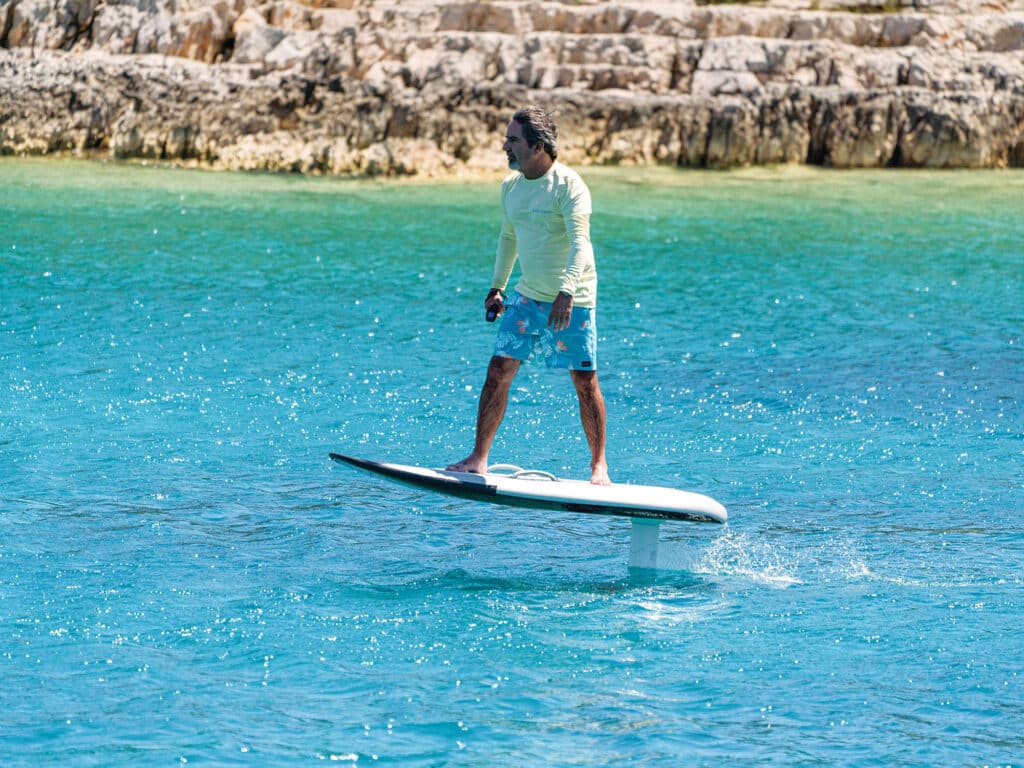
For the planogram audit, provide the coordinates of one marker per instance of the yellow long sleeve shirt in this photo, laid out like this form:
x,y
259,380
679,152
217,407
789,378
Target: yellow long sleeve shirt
x,y
546,226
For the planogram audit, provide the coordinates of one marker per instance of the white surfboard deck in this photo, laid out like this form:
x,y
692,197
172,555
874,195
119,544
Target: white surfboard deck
x,y
503,484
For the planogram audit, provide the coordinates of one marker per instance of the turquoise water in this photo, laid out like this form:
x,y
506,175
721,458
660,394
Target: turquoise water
x,y
186,578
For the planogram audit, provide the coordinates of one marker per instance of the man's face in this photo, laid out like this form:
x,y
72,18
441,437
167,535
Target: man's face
x,y
519,154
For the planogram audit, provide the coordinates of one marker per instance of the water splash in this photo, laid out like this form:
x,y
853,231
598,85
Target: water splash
x,y
733,555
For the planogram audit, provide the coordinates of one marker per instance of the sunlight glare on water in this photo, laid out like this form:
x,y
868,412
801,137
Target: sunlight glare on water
x,y
186,578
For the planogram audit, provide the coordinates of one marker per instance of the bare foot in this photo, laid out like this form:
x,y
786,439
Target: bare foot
x,y
470,464
599,475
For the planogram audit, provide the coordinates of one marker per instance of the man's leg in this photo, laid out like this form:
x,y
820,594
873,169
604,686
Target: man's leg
x,y
490,412
592,414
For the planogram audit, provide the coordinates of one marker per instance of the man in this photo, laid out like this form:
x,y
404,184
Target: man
x,y
546,227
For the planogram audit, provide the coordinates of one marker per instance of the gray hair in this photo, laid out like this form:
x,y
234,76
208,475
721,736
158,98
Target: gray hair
x,y
538,128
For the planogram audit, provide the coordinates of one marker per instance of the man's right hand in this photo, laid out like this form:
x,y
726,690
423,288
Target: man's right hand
x,y
495,304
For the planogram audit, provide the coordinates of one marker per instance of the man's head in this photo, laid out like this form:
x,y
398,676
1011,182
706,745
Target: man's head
x,y
538,128
531,141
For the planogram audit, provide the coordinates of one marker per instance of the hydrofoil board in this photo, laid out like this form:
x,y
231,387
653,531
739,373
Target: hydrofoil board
x,y
506,484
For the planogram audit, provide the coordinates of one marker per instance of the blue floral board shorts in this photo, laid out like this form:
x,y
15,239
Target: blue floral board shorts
x,y
524,331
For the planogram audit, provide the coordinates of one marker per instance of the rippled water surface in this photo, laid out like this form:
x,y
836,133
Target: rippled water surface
x,y
186,578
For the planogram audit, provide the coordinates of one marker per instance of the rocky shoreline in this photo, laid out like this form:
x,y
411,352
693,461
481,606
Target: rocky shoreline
x,y
389,87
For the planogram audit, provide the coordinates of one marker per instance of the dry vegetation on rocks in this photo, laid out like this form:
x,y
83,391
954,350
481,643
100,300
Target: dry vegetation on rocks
x,y
375,86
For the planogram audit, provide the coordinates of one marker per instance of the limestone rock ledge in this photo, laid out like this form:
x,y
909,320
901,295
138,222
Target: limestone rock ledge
x,y
426,87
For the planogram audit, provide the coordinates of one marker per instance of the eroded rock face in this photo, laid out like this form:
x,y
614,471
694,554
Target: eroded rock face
x,y
375,86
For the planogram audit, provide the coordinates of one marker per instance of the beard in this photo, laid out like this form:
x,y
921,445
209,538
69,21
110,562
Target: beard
x,y
513,163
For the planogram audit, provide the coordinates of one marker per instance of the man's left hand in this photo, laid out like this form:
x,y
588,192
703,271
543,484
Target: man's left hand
x,y
561,311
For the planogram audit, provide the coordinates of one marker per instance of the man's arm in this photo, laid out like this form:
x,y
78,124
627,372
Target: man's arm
x,y
576,216
505,259
508,250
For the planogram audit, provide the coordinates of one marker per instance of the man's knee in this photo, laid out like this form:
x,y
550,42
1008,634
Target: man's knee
x,y
502,369
585,380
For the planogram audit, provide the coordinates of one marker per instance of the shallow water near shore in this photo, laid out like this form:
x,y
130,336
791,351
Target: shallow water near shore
x,y
186,578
